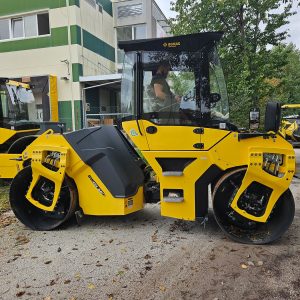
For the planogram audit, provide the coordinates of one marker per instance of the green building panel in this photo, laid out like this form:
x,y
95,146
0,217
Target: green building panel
x,y
98,46
65,114
75,31
10,7
59,37
107,6
77,71
78,114
74,2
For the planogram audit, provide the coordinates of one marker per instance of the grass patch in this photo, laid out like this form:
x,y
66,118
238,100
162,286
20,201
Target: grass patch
x,y
4,203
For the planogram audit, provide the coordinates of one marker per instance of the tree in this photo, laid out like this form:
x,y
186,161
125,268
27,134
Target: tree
x,y
285,85
251,28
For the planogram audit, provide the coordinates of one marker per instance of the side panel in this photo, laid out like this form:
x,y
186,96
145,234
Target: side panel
x,y
186,182
94,196
172,138
9,166
111,157
6,134
227,153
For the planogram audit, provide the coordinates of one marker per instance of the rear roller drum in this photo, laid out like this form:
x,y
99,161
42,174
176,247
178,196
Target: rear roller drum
x,y
33,217
253,199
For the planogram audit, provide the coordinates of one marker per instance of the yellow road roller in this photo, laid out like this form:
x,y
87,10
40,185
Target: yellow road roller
x,y
290,125
176,117
19,124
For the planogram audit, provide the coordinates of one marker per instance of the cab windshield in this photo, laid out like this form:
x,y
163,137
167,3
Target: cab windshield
x,y
185,88
17,107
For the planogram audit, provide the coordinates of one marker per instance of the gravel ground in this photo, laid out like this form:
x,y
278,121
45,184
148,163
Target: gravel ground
x,y
145,256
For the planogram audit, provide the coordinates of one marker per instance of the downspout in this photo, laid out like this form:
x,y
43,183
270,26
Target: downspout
x,y
70,55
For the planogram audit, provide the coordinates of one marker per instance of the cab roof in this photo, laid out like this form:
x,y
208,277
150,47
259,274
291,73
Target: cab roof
x,y
190,42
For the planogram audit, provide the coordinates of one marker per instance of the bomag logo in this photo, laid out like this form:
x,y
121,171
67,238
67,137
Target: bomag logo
x,y
172,45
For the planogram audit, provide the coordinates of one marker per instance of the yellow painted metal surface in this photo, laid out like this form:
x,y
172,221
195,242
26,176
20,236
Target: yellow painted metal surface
x,y
171,137
53,93
136,132
227,153
186,209
39,156
6,134
223,149
9,165
211,137
21,84
166,138
255,173
286,106
94,197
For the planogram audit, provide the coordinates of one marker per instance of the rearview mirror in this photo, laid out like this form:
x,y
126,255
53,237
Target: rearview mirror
x,y
272,116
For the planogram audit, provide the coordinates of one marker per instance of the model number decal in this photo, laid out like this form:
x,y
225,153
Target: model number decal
x,y
96,185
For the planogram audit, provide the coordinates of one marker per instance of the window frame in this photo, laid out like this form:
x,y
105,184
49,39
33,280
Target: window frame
x,y
10,18
9,29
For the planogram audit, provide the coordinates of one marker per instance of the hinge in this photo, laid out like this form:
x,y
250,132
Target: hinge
x,y
199,146
199,130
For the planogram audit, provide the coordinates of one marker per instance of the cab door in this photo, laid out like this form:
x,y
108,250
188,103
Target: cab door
x,y
171,138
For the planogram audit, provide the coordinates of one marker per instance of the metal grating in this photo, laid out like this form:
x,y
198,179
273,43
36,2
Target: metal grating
x,y
130,10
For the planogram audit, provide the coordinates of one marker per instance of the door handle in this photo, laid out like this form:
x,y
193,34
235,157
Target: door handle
x,y
151,129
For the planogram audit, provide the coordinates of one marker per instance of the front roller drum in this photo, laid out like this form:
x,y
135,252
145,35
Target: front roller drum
x,y
34,217
238,227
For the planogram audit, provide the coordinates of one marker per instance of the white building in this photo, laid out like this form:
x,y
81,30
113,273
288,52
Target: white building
x,y
72,40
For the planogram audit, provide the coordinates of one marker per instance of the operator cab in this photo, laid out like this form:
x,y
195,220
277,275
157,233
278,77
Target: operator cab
x,y
193,80
17,106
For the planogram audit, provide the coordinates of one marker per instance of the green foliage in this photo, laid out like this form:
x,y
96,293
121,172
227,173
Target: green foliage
x,y
250,29
182,82
285,84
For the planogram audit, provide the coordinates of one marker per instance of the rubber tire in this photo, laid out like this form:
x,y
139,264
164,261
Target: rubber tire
x,y
30,215
278,223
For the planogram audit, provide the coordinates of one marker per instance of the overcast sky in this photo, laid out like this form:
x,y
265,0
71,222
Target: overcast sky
x,y
294,26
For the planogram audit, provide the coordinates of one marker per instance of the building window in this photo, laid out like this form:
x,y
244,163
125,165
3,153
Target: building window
x,y
139,32
17,27
30,26
129,33
43,24
25,26
4,29
124,33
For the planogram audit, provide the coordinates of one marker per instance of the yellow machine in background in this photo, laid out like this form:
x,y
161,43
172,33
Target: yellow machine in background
x,y
19,123
290,125
188,141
